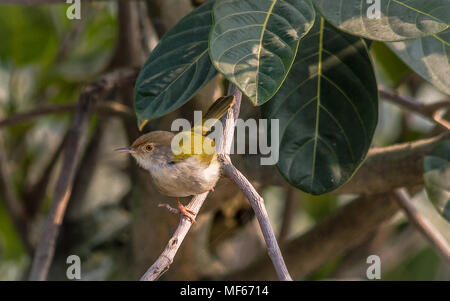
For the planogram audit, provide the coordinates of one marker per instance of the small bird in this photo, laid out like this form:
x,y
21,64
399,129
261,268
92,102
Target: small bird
x,y
191,167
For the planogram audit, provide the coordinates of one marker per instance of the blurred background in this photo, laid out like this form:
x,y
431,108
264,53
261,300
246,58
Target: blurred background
x,y
112,220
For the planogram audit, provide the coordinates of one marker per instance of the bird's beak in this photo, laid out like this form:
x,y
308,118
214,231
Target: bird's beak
x,y
125,150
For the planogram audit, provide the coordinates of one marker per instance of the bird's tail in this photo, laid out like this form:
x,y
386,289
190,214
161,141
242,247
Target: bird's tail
x,y
216,111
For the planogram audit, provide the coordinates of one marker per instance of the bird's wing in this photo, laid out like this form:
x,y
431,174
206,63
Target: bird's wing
x,y
215,112
192,143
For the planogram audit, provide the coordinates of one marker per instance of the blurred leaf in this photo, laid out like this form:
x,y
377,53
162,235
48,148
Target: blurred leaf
x,y
327,109
437,177
420,267
94,47
428,57
177,68
27,35
254,42
398,19
319,207
10,244
392,67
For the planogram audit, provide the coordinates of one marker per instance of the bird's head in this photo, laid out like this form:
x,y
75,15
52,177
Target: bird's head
x,y
151,150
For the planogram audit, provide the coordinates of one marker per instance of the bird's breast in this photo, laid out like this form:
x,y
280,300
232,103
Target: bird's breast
x,y
186,178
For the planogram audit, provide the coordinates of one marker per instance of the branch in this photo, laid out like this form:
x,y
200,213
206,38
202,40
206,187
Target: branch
x,y
34,195
46,248
431,111
104,108
105,83
72,151
257,203
342,230
391,167
422,224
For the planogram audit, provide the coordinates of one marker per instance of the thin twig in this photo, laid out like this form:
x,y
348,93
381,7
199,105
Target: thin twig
x,y
104,108
46,248
422,224
78,132
257,203
105,83
35,193
342,230
431,111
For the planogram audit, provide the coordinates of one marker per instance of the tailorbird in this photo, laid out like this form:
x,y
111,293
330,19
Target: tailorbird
x,y
191,167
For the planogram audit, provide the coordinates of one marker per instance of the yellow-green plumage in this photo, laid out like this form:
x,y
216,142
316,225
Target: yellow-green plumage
x,y
194,168
194,142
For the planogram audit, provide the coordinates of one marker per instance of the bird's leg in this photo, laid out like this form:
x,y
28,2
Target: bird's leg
x,y
185,211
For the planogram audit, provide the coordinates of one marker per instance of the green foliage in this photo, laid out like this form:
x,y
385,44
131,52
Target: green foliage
x,y
28,35
437,177
398,20
253,43
328,110
429,57
318,82
11,247
423,266
177,68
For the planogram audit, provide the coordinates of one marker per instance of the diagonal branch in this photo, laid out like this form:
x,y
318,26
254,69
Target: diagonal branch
x,y
72,151
46,248
257,203
422,224
342,230
431,111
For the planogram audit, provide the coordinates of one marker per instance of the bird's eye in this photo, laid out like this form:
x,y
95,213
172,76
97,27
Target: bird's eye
x,y
149,147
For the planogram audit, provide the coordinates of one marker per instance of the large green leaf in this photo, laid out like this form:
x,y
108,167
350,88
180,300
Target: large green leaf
x,y
254,42
177,68
327,110
437,177
429,57
398,19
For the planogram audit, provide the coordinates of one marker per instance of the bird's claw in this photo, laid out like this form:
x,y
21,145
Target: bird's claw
x,y
186,211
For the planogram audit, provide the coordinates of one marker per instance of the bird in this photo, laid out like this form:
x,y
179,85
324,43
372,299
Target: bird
x,y
187,166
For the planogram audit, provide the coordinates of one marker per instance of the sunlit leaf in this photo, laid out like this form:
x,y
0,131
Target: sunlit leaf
x,y
391,20
327,108
429,57
177,68
254,42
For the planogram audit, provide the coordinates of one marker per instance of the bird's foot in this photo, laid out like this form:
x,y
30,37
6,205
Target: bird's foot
x,y
180,210
186,211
